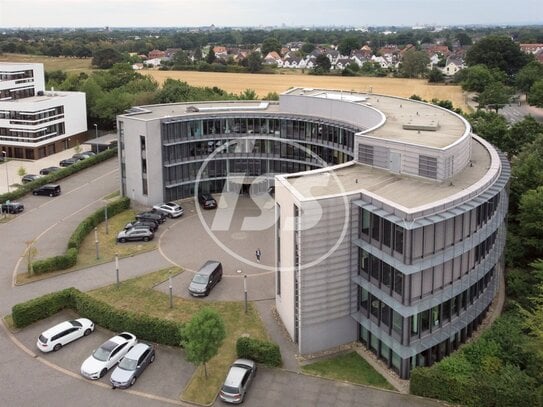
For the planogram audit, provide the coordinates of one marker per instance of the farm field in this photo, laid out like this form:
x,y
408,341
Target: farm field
x,y
51,63
262,84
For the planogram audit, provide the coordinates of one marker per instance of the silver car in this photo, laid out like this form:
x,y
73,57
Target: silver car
x,y
237,381
135,234
132,365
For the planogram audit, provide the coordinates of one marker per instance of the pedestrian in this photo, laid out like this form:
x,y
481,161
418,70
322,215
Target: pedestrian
x,y
258,255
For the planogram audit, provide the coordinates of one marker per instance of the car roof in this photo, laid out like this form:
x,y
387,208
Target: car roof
x,y
116,340
57,328
208,267
235,375
137,350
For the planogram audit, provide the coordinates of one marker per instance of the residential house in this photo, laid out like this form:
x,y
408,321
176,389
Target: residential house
x,y
272,58
453,65
156,54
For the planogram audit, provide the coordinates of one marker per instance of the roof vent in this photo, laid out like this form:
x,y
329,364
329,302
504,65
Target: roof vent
x,y
420,123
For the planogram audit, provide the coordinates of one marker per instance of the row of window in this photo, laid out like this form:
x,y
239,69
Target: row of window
x,y
28,136
187,190
284,128
382,274
377,230
32,117
14,94
11,76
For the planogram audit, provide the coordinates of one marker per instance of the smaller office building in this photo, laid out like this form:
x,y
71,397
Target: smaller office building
x,y
35,123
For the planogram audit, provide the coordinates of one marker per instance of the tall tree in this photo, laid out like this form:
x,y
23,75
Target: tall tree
x,y
105,58
211,57
254,62
322,64
414,63
203,335
476,78
270,44
497,51
530,217
347,44
528,75
535,97
496,95
463,39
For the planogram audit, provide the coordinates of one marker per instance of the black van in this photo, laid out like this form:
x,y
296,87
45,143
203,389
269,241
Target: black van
x,y
47,189
206,278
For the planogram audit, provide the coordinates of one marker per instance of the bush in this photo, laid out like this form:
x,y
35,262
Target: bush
x,y
260,351
143,326
62,262
42,307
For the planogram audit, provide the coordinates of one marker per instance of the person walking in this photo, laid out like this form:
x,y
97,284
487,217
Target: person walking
x,y
258,255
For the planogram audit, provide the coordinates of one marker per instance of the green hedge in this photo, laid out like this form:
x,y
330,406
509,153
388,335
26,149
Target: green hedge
x,y
69,259
143,326
260,351
58,175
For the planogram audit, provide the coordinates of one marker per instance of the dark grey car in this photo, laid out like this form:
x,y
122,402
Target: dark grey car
x,y
135,234
132,365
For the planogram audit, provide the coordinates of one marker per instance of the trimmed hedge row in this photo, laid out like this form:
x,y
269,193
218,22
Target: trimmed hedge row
x,y
69,259
260,351
143,326
58,175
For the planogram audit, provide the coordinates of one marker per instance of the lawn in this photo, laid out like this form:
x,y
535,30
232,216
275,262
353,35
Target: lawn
x,y
137,295
52,63
350,367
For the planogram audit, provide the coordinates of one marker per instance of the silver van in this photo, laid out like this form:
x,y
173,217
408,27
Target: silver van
x,y
206,278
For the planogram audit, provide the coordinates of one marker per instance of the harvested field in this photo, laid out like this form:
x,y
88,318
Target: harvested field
x,y
262,84
52,63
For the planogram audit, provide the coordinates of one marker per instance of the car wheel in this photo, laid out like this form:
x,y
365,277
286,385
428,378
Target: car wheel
x,y
87,332
152,359
57,347
51,194
146,238
207,292
122,240
34,193
103,373
133,381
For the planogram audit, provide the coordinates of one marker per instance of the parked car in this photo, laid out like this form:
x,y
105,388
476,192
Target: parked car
x,y
61,334
107,355
83,155
206,278
170,209
140,224
126,235
29,178
132,365
47,189
12,207
240,376
157,217
68,161
48,170
207,201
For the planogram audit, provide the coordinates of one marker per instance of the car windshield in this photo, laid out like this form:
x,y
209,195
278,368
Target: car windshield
x,y
199,279
128,364
230,389
103,352
76,323
43,339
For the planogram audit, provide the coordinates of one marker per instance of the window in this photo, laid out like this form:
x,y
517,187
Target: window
x,y
397,322
365,154
398,239
375,306
375,227
387,233
364,299
385,314
398,282
365,222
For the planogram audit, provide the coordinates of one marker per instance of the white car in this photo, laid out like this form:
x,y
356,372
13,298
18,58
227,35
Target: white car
x,y
170,209
107,355
61,334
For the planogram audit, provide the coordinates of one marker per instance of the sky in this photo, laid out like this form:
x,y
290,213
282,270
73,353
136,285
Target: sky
x,y
255,13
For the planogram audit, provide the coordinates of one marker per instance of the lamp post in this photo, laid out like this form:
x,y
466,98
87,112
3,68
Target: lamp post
x,y
171,291
244,288
6,164
117,269
96,136
96,242
105,218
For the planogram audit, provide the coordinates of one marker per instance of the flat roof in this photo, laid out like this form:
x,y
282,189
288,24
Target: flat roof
x,y
407,121
403,190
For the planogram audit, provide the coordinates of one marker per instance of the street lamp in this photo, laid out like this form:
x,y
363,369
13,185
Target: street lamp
x,y
6,164
96,243
117,268
96,136
244,288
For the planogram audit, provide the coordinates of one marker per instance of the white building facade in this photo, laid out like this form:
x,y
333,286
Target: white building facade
x,y
390,213
35,123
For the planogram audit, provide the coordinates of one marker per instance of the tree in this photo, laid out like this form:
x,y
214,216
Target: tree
x,y
463,39
535,97
496,95
530,217
347,44
414,63
522,133
435,76
271,96
478,77
210,57
308,47
248,94
203,336
106,57
21,172
528,75
490,126
270,44
322,64
181,59
497,51
254,62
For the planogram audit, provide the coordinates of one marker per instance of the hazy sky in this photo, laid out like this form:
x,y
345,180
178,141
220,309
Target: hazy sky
x,y
177,13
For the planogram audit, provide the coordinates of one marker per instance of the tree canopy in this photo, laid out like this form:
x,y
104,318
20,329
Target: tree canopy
x,y
414,63
105,58
497,51
203,335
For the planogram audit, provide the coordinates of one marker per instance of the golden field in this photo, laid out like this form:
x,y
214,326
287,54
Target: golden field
x,y
262,84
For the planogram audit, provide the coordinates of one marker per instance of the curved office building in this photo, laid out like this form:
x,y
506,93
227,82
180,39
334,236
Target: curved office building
x,y
390,212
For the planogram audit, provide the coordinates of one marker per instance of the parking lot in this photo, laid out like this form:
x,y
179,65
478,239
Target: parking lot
x,y
166,377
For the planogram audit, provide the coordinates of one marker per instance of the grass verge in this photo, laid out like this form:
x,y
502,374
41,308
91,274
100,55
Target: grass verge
x,y
107,247
350,367
138,295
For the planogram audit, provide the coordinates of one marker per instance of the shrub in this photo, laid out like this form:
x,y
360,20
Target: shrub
x,y
260,351
143,326
42,307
